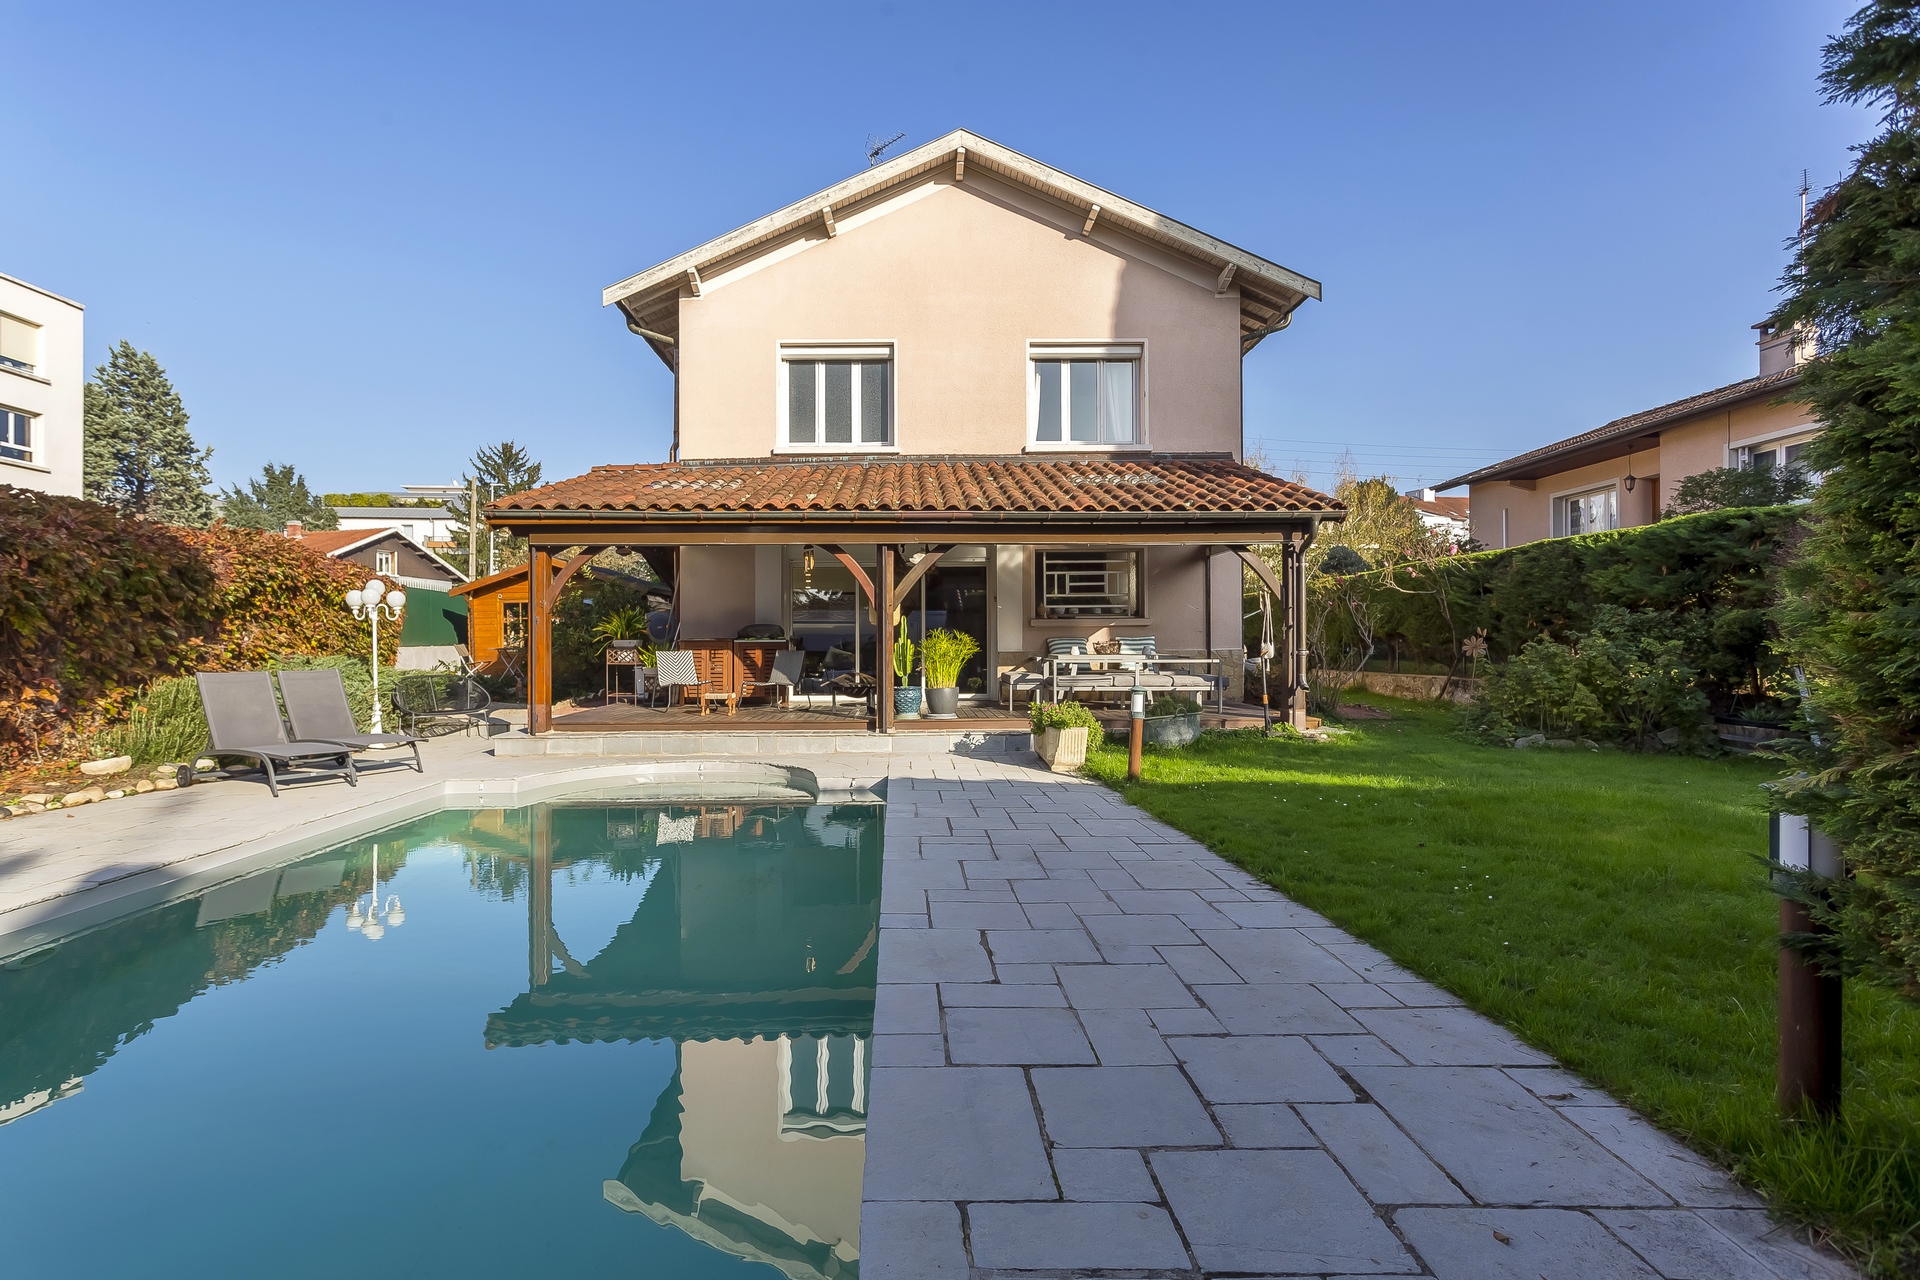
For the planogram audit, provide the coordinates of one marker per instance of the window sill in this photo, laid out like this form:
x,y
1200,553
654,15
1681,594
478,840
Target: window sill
x,y
25,466
29,376
1077,446
831,450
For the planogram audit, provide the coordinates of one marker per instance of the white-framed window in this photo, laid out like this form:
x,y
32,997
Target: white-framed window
x,y
16,435
836,397
386,561
1588,512
1772,453
1084,395
19,343
1090,583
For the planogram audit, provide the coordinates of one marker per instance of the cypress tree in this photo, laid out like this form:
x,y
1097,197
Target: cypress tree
x,y
1852,619
139,456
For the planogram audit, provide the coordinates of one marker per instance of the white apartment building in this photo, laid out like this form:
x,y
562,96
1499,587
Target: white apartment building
x,y
42,371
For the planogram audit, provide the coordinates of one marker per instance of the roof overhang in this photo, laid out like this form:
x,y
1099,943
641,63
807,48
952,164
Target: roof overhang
x,y
1269,293
1622,437
561,529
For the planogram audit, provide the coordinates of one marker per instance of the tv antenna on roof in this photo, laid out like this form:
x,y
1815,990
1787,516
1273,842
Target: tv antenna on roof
x,y
875,146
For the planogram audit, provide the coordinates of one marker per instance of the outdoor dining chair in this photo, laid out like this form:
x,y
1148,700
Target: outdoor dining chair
x,y
434,699
674,669
785,677
316,703
243,720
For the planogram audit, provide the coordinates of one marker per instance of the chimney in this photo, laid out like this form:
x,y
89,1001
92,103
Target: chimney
x,y
293,529
1783,348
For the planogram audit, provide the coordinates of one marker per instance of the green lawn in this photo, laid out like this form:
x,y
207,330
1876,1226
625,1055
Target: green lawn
x,y
1608,907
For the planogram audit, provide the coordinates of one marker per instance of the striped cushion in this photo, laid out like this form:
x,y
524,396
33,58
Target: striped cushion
x,y
1138,646
1067,646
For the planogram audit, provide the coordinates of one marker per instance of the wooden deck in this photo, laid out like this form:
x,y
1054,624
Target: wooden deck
x,y
622,717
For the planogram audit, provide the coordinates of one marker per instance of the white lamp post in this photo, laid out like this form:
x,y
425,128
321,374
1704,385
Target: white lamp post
x,y
368,922
367,604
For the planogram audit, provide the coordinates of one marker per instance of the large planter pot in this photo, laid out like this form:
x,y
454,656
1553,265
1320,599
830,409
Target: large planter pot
x,y
1171,731
1064,750
943,704
906,704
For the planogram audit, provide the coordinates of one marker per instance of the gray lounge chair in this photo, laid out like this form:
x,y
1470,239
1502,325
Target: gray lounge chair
x,y
316,703
243,720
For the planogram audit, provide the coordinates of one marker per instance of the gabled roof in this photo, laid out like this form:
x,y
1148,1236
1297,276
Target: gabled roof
x,y
336,543
1639,430
1269,292
1136,484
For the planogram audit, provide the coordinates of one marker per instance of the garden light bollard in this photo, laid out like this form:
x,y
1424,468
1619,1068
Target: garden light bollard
x,y
366,604
1808,1080
1136,729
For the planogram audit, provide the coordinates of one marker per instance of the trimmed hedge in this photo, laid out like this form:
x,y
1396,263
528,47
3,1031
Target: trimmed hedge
x,y
1718,568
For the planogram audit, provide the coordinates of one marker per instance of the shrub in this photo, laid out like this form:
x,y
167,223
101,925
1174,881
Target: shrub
x,y
166,724
279,598
946,651
91,603
1738,487
1061,715
579,648
1626,680
1173,704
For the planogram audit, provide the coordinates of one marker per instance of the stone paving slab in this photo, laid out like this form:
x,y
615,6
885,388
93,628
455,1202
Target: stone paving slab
x,y
1101,1050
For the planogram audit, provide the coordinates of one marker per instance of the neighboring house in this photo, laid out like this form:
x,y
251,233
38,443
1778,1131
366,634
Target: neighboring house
x,y
434,625
431,527
1448,515
1624,473
42,373
963,387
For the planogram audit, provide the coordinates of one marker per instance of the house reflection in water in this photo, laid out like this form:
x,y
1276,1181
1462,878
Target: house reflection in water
x,y
753,950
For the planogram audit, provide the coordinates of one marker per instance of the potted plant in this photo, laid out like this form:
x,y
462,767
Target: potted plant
x,y
1172,721
945,652
1060,731
906,699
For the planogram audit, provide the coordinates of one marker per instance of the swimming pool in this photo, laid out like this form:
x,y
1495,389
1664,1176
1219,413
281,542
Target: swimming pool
x,y
568,1037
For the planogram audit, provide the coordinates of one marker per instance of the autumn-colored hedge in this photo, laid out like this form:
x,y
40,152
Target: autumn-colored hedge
x,y
90,602
95,605
278,598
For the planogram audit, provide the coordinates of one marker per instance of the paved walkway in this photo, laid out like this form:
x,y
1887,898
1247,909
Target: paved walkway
x,y
1098,1047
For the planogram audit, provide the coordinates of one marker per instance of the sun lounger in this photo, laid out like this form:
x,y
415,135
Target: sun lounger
x,y
243,720
316,703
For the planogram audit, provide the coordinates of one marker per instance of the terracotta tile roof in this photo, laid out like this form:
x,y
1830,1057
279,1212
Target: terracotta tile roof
x,y
1542,460
328,541
1449,508
1129,484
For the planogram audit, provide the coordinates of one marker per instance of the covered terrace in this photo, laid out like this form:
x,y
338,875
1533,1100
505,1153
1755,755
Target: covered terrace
x,y
889,522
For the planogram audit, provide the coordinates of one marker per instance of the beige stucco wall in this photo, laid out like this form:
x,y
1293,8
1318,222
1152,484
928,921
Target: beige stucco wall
x,y
1687,448
719,596
52,392
959,277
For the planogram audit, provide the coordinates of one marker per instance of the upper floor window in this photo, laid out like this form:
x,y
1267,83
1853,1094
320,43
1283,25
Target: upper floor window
x,y
385,561
1085,395
1586,512
16,435
19,343
837,397
1774,453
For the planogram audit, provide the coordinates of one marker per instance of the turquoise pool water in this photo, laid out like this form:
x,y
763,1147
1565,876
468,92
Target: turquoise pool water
x,y
580,1039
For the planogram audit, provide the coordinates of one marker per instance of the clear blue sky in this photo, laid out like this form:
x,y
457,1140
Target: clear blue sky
x,y
368,239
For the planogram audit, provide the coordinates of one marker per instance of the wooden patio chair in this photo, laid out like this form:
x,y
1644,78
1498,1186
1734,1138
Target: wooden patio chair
x,y
243,720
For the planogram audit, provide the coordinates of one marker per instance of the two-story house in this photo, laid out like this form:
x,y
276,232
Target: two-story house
x,y
1624,473
42,378
963,388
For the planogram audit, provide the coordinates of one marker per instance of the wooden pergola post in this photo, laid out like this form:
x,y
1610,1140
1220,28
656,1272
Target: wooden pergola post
x,y
883,646
546,579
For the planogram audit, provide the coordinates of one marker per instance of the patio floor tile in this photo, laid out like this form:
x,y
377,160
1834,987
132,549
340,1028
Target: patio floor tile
x,y
1259,1069
1017,1037
1075,1236
1276,1211
954,1133
1122,1107
1460,1244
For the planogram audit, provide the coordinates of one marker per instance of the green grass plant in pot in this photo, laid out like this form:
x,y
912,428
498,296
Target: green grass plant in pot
x,y
1060,733
906,701
942,656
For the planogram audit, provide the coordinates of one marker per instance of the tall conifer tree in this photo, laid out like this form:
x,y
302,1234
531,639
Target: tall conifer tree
x,y
138,454
1853,616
